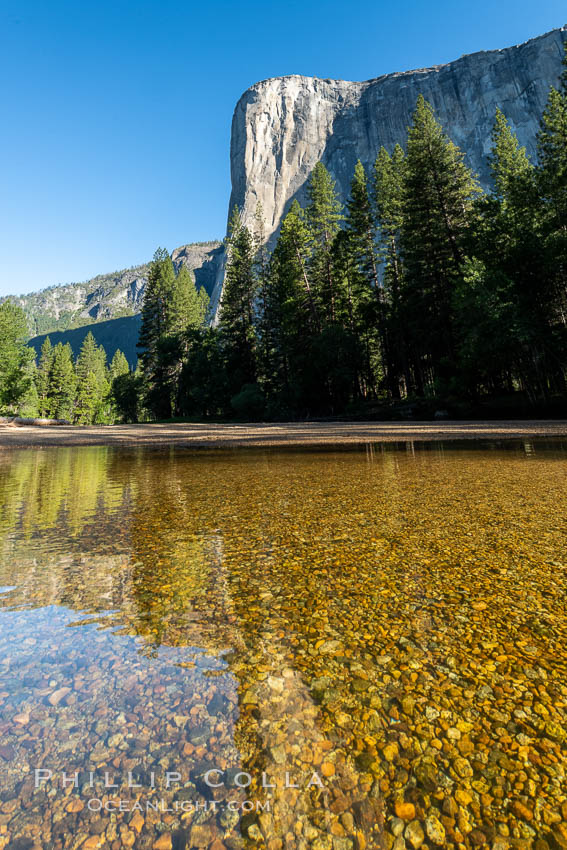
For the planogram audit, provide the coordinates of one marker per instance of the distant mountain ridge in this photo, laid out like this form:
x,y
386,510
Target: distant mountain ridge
x,y
106,297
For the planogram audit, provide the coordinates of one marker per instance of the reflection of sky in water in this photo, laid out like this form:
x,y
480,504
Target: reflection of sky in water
x,y
394,620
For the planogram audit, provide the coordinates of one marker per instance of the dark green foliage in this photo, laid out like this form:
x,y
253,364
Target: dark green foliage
x,y
238,306
389,194
171,307
323,215
92,403
62,384
437,203
15,358
203,386
249,403
42,376
126,395
551,181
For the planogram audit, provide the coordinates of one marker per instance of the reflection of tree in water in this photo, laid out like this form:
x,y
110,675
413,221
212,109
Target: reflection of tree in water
x,y
192,565
45,487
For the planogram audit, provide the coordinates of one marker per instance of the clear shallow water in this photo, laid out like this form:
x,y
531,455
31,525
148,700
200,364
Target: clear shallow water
x,y
383,628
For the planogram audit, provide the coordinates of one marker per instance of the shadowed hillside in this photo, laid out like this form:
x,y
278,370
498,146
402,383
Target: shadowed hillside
x,y
115,333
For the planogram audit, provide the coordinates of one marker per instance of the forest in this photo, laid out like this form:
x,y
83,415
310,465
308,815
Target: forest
x,y
421,294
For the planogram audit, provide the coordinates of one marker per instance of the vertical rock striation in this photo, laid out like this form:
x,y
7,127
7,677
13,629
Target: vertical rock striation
x,y
282,127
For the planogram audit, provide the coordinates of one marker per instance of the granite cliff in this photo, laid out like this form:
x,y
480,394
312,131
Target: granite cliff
x,y
282,127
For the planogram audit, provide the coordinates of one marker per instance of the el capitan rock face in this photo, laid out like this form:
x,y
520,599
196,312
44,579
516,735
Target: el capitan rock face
x,y
282,127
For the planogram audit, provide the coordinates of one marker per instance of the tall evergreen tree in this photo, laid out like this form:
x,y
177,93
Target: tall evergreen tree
x,y
552,184
93,388
88,400
124,389
155,328
510,245
288,310
388,195
119,365
237,308
42,376
363,291
62,383
512,172
438,199
187,307
323,215
15,378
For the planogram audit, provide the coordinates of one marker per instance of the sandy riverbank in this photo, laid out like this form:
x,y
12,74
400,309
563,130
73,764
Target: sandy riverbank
x,y
270,434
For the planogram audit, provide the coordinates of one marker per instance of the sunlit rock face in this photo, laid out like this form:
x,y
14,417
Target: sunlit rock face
x,y
282,127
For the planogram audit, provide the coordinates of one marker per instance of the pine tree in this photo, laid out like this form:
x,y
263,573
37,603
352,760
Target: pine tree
x,y
552,184
362,288
237,308
14,356
323,215
388,191
119,365
516,277
187,307
93,388
28,404
62,383
512,172
291,316
155,329
293,250
42,376
92,358
388,195
438,201
88,399
361,227
552,151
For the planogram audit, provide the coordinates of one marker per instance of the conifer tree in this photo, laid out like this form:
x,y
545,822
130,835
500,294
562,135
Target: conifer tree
x,y
552,151
361,227
62,383
388,186
438,196
42,376
362,288
119,365
293,250
14,356
92,402
388,196
28,404
88,399
323,215
512,172
512,248
552,184
187,307
92,358
237,308
155,328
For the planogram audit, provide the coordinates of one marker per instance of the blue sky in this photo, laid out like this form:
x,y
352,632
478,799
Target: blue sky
x,y
116,113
